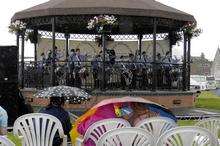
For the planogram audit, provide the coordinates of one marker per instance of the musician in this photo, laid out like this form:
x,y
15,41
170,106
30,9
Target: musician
x,y
124,72
96,70
167,65
42,60
145,66
159,72
49,57
71,66
78,58
112,56
133,68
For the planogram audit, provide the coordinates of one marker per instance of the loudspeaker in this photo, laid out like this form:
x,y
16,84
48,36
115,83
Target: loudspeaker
x,y
8,64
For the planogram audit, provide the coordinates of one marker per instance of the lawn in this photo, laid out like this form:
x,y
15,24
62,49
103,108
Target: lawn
x,y
208,100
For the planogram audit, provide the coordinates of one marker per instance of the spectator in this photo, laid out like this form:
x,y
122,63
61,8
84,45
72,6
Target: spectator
x,y
12,100
55,108
3,121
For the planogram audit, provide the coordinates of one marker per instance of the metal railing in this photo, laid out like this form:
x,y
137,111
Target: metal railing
x,y
112,75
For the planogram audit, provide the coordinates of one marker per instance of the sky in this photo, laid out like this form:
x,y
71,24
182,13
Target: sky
x,y
205,12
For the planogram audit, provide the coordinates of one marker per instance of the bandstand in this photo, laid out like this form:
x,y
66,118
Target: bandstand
x,y
137,20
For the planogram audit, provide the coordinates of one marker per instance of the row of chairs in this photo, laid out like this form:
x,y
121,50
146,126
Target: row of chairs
x,y
160,131
39,129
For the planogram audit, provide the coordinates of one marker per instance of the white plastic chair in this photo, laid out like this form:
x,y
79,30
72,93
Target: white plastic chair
x,y
156,125
126,137
212,124
97,129
38,129
187,136
4,141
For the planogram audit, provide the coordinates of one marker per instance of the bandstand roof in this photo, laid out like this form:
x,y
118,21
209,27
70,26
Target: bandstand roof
x,y
131,8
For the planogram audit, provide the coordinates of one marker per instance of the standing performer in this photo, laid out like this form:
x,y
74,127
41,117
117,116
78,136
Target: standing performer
x,y
167,69
133,68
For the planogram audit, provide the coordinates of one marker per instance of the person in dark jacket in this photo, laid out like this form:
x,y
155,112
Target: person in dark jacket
x,y
12,100
55,108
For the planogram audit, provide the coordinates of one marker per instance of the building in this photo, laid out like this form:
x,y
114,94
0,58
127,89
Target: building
x,y
201,66
216,66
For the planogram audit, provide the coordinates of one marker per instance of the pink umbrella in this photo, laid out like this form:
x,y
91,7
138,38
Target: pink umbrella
x,y
152,106
126,99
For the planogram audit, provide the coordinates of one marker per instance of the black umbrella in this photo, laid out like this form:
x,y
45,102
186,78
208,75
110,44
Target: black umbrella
x,y
71,94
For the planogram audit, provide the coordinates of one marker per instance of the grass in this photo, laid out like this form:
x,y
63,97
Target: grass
x,y
14,139
208,100
186,122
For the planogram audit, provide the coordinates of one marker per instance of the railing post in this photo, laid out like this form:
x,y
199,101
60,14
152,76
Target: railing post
x,y
154,81
53,21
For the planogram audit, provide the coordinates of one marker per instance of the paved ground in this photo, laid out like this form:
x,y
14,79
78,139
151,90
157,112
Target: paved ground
x,y
194,112
217,92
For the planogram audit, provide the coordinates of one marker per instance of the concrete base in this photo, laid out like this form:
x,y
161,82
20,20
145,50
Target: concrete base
x,y
169,99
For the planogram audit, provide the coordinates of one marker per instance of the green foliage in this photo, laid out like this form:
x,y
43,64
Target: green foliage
x,y
191,30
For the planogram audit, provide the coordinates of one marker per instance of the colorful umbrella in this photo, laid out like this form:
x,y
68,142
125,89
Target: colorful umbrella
x,y
152,106
103,110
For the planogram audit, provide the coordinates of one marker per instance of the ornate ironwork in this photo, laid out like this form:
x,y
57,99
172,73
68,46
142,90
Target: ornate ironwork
x,y
127,24
37,75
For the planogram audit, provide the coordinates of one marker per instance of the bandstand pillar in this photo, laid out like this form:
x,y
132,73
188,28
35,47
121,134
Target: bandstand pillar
x,y
189,62
103,84
53,21
18,56
22,59
140,36
35,44
67,36
170,46
184,63
17,40
154,81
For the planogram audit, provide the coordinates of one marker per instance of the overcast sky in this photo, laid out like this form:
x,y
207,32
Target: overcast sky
x,y
205,12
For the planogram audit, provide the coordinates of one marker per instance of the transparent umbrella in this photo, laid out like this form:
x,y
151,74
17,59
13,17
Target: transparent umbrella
x,y
72,94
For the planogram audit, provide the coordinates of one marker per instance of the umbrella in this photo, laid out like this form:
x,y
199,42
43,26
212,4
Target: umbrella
x,y
103,110
152,106
72,94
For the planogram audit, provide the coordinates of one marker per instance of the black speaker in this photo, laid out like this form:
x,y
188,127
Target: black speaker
x,y
8,64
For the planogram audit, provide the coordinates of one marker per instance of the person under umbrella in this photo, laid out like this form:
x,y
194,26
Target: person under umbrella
x,y
132,109
56,109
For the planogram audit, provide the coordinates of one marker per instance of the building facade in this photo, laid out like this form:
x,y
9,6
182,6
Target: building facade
x,y
216,66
